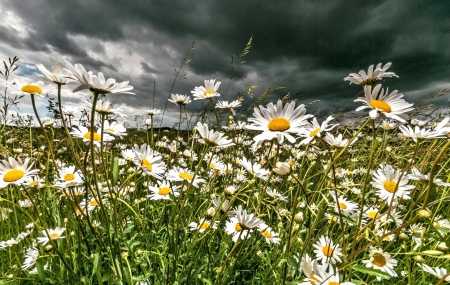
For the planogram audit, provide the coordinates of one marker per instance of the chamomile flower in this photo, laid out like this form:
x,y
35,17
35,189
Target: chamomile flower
x,y
391,105
58,75
96,83
388,124
51,234
391,183
241,224
15,171
202,225
27,87
269,235
180,174
254,168
330,277
327,251
180,99
381,260
437,271
163,191
314,129
229,105
417,175
275,194
104,107
207,91
372,76
276,121
418,133
152,112
345,206
83,133
150,161
337,141
31,256
114,128
69,111
212,138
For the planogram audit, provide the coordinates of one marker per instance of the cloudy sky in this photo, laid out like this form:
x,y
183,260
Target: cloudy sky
x,y
307,47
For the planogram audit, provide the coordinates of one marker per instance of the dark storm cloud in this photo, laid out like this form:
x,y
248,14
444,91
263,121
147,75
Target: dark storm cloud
x,y
306,46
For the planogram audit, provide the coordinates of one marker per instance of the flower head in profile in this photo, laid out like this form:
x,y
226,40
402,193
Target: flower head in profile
x,y
27,87
69,111
96,83
276,121
437,272
104,107
418,133
180,174
208,91
212,138
83,133
163,191
372,76
58,75
180,99
229,105
31,256
51,234
152,112
114,128
391,105
16,172
203,225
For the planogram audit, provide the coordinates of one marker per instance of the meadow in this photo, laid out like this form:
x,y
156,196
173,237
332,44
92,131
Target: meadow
x,y
278,196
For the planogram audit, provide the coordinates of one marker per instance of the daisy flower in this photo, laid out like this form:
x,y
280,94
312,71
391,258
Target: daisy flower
x,y
388,124
152,112
150,161
241,223
269,235
346,207
163,191
180,174
337,141
212,138
31,256
230,106
327,251
417,175
312,270
96,83
437,272
330,278
443,127
223,205
381,260
69,111
58,75
314,129
208,91
389,184
83,133
202,225
104,107
275,194
276,121
51,234
254,168
282,168
372,76
180,99
391,105
418,133
128,154
27,87
114,128
15,171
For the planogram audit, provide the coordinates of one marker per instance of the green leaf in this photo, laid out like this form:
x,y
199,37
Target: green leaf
x,y
115,170
371,271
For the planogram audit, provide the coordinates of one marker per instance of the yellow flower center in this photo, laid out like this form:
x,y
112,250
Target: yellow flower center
x,y
13,175
34,183
313,279
53,235
372,215
314,133
211,142
390,186
342,205
145,163
204,225
31,89
279,125
184,175
111,130
380,105
238,227
212,165
327,251
97,137
69,177
93,203
333,283
379,260
387,127
267,234
209,92
164,191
